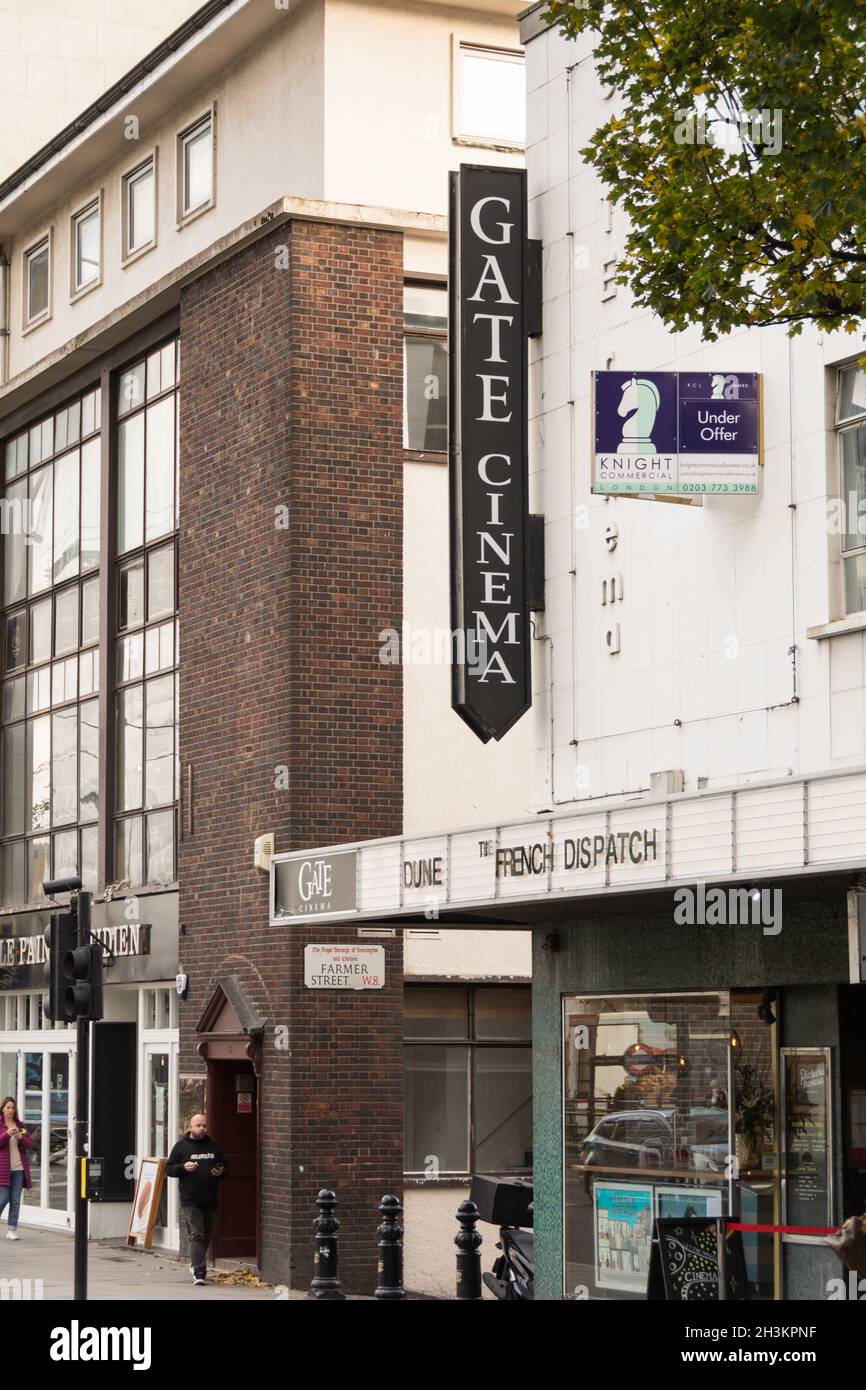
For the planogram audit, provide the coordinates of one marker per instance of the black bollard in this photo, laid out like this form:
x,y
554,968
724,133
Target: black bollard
x,y
390,1250
325,1283
468,1241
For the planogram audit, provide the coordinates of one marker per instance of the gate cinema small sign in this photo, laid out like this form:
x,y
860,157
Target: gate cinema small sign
x,y
318,885
491,686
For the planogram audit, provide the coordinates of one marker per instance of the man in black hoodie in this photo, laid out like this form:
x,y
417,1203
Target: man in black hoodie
x,y
198,1162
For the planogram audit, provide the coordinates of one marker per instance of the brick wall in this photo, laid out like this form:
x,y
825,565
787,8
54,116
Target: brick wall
x,y
291,396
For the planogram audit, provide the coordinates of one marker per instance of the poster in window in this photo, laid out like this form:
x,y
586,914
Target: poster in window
x,y
807,1170
687,1202
623,1218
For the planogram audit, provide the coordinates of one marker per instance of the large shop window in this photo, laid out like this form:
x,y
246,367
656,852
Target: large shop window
x,y
147,771
49,745
425,368
851,424
468,1080
670,1111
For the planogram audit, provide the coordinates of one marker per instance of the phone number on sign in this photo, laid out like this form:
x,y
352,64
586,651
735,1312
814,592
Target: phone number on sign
x,y
720,487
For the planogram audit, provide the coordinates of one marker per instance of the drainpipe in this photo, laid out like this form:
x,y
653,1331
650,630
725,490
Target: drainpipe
x,y
4,318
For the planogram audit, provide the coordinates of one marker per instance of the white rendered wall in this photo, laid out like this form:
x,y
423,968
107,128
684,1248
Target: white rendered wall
x,y
714,596
57,56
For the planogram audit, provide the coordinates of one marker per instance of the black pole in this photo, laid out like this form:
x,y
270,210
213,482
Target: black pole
x,y
468,1241
82,1112
325,1284
390,1250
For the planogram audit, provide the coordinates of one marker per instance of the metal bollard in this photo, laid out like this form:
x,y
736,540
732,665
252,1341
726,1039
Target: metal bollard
x,y
468,1242
325,1284
390,1250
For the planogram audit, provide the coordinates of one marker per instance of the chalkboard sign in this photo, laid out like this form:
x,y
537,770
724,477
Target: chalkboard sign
x,y
807,1168
685,1257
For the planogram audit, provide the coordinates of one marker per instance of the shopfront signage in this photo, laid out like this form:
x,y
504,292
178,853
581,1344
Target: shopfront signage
x,y
129,939
807,1162
488,441
676,433
344,967
693,840
318,884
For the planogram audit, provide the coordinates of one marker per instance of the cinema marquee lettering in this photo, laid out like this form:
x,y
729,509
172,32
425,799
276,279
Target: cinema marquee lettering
x,y
488,448
584,852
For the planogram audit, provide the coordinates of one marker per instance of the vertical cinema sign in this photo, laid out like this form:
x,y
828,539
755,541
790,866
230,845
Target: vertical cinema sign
x,y
488,446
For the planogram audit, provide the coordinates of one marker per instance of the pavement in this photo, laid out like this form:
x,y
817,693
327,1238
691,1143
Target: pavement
x,y
116,1273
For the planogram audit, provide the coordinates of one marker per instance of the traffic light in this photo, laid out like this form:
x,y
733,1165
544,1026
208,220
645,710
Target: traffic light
x,y
82,971
60,937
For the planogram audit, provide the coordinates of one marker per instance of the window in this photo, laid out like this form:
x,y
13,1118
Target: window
x,y
851,428
85,243
49,711
146,639
37,283
139,208
490,93
196,167
468,1079
425,368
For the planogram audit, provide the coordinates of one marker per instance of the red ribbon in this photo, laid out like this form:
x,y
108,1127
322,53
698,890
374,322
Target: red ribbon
x,y
788,1230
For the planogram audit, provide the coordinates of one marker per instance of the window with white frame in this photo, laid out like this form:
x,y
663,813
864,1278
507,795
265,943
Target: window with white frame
x,y
139,208
85,240
490,93
196,167
851,429
37,282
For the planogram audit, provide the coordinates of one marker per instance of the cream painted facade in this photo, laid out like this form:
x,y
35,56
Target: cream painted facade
x,y
57,56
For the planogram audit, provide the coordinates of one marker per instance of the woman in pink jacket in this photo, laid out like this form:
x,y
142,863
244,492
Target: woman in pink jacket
x,y
14,1163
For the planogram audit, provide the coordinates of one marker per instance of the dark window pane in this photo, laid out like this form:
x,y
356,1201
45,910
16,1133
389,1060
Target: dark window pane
x,y
15,545
88,796
503,1108
129,748
131,595
13,699
426,387
13,781
89,848
503,1013
89,612
436,1012
66,621
160,585
437,1109
16,647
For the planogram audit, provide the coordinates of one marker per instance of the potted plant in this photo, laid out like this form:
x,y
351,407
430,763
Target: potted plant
x,y
754,1114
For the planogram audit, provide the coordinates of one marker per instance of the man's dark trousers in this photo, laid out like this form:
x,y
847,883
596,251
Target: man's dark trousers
x,y
199,1223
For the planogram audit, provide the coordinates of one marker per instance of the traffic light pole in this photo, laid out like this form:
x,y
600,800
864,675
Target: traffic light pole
x,y
82,1112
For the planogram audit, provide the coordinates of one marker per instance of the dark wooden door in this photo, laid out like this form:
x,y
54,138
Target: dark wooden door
x,y
235,1129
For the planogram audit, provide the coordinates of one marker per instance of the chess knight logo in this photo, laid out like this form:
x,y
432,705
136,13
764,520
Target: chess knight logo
x,y
638,409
